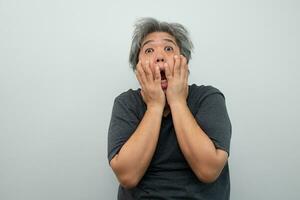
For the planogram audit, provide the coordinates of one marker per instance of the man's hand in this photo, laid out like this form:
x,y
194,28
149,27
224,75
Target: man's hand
x,y
151,90
177,90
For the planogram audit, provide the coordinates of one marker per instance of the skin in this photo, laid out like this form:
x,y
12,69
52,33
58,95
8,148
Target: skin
x,y
160,52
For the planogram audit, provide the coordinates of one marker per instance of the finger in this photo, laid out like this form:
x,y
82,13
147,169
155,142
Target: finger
x,y
138,78
187,73
141,74
147,71
157,77
183,68
176,66
168,71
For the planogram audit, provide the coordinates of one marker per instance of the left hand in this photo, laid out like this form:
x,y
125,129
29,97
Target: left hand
x,y
177,90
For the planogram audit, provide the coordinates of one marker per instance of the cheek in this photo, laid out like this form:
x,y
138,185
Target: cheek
x,y
144,57
141,58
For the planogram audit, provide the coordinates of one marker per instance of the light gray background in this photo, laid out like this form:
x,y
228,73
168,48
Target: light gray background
x,y
62,63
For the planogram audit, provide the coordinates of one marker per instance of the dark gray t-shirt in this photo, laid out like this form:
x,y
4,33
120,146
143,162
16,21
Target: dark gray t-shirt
x,y
169,176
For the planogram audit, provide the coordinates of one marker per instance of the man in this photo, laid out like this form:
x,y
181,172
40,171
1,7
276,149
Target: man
x,y
168,139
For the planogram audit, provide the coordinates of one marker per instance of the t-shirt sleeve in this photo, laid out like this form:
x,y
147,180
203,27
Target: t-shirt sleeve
x,y
213,118
122,124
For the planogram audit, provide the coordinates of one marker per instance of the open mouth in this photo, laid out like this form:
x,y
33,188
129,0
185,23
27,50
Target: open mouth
x,y
163,75
164,81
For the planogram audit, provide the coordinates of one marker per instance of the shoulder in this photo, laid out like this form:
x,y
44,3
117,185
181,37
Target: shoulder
x,y
199,93
204,96
129,96
130,101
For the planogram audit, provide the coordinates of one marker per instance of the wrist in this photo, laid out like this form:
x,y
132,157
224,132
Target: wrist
x,y
155,109
178,103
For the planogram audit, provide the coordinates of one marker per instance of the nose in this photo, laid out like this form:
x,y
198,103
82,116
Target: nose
x,y
159,58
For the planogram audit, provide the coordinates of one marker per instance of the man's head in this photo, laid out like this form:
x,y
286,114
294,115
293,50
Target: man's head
x,y
158,42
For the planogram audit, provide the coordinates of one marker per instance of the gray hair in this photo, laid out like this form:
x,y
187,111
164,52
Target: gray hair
x,y
145,26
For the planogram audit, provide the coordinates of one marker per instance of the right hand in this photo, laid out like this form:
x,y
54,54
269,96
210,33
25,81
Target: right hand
x,y
151,90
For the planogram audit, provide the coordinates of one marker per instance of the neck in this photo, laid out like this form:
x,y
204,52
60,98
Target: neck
x,y
166,110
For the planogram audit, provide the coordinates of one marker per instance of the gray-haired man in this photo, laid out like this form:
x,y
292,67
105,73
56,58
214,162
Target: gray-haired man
x,y
168,139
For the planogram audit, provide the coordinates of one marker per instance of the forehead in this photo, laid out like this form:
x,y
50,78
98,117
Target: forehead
x,y
158,37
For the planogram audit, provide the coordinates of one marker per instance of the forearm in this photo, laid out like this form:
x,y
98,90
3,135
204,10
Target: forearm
x,y
132,161
199,151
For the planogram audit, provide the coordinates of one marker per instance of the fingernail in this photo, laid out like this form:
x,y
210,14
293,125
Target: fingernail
x,y
175,56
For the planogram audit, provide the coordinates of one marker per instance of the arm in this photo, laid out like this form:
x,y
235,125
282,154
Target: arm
x,y
205,160
133,159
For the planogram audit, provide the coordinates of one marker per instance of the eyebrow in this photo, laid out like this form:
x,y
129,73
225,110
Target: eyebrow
x,y
166,39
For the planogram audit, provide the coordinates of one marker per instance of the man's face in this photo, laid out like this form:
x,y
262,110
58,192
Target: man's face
x,y
159,48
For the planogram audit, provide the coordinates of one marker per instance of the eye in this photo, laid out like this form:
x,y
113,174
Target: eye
x,y
168,48
149,50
